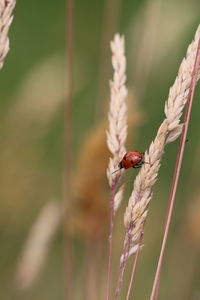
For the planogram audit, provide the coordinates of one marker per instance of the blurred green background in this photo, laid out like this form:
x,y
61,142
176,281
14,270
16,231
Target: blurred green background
x,y
33,91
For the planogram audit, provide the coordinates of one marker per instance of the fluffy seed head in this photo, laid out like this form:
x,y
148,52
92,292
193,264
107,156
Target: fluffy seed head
x,y
117,116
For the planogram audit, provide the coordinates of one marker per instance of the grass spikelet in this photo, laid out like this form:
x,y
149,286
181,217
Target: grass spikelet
x,y
117,134
118,197
6,9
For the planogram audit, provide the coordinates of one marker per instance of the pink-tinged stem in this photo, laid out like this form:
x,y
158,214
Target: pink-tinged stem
x,y
110,238
134,266
110,242
123,261
155,288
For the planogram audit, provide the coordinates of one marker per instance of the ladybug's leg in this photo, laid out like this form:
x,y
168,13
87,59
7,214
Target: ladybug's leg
x,y
120,165
139,164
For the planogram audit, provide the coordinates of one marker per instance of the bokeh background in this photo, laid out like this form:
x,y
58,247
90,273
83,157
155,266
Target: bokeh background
x,y
33,92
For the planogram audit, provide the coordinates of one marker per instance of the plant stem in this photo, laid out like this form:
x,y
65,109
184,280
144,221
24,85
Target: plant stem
x,y
68,261
123,261
179,158
134,266
110,241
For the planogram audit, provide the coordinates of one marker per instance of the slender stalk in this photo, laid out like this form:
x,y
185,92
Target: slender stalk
x,y
179,158
157,287
123,262
110,241
134,266
110,237
68,261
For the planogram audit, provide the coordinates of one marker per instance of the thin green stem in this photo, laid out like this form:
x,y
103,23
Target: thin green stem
x,y
67,155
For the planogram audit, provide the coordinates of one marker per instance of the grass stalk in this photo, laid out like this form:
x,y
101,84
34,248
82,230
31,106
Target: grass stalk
x,y
68,261
110,238
134,266
155,288
123,262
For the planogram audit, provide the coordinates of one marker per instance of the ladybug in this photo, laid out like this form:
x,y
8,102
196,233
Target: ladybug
x,y
132,159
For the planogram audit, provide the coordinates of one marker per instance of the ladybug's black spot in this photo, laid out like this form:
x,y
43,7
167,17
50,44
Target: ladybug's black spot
x,y
132,161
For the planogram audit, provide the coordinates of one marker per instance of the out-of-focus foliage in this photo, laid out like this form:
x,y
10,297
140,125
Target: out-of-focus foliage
x,y
32,95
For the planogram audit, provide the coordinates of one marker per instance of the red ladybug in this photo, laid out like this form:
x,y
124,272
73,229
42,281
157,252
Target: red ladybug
x,y
132,159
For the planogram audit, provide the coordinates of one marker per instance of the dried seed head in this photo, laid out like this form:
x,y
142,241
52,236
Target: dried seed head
x,y
117,116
